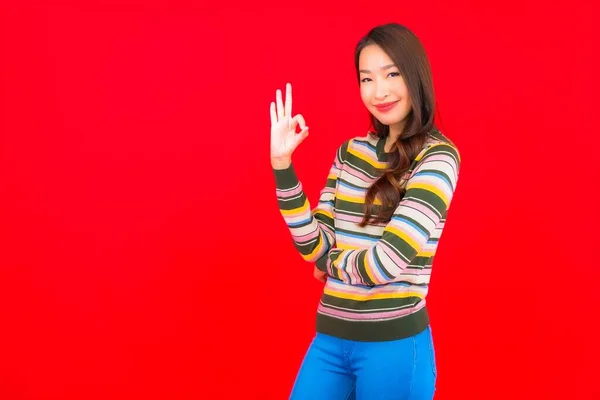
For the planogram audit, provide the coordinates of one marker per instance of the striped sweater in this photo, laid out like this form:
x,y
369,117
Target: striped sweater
x,y
377,276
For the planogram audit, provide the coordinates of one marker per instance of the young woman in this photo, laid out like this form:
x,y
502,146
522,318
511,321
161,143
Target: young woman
x,y
375,230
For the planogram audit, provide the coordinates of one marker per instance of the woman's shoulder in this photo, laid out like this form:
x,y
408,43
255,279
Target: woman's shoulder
x,y
437,137
437,142
367,141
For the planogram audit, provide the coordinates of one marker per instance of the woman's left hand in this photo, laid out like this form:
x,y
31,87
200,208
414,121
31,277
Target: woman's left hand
x,y
320,275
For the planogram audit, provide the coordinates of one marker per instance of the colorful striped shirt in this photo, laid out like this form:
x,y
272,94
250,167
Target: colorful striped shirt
x,y
378,275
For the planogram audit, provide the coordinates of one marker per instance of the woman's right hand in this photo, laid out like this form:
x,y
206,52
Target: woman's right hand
x,y
284,138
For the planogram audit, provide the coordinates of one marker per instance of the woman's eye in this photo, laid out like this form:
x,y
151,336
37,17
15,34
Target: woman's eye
x,y
392,74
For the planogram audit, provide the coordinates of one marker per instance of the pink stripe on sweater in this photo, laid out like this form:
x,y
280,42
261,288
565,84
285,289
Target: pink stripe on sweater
x,y
284,193
420,207
371,316
357,219
328,190
438,157
351,192
374,290
394,257
306,238
360,175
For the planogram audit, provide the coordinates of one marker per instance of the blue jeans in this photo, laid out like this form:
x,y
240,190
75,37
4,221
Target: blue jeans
x,y
338,369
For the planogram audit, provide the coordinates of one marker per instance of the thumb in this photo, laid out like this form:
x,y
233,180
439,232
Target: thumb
x,y
299,119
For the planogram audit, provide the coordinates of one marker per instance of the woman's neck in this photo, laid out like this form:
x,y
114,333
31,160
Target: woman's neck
x,y
395,132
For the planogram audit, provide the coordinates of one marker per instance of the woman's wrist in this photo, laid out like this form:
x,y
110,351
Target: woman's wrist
x,y
281,163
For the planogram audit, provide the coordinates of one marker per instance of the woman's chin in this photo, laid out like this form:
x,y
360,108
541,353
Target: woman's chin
x,y
387,120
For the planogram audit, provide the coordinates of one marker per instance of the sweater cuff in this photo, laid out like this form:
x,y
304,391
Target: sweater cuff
x,y
285,178
321,262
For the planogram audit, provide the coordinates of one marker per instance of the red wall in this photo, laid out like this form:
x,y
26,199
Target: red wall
x,y
142,254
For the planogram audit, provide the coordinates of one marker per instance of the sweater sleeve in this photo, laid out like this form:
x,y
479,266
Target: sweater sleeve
x,y
429,192
313,230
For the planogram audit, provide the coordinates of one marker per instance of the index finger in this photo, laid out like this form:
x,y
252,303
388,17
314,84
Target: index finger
x,y
288,99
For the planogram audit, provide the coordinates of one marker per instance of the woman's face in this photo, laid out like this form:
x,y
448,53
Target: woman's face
x,y
382,88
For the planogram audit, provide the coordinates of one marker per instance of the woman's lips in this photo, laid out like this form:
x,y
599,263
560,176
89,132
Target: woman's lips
x,y
384,107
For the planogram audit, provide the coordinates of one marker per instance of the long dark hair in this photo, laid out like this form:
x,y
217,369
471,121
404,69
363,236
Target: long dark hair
x,y
408,54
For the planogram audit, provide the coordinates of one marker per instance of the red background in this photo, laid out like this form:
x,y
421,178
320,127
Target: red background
x,y
142,254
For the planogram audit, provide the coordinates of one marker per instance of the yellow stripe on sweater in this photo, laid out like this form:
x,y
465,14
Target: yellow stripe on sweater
x,y
404,236
296,211
376,296
356,199
316,250
323,212
431,188
367,159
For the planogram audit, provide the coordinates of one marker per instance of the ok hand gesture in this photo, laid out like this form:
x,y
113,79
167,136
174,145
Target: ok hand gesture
x,y
284,138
